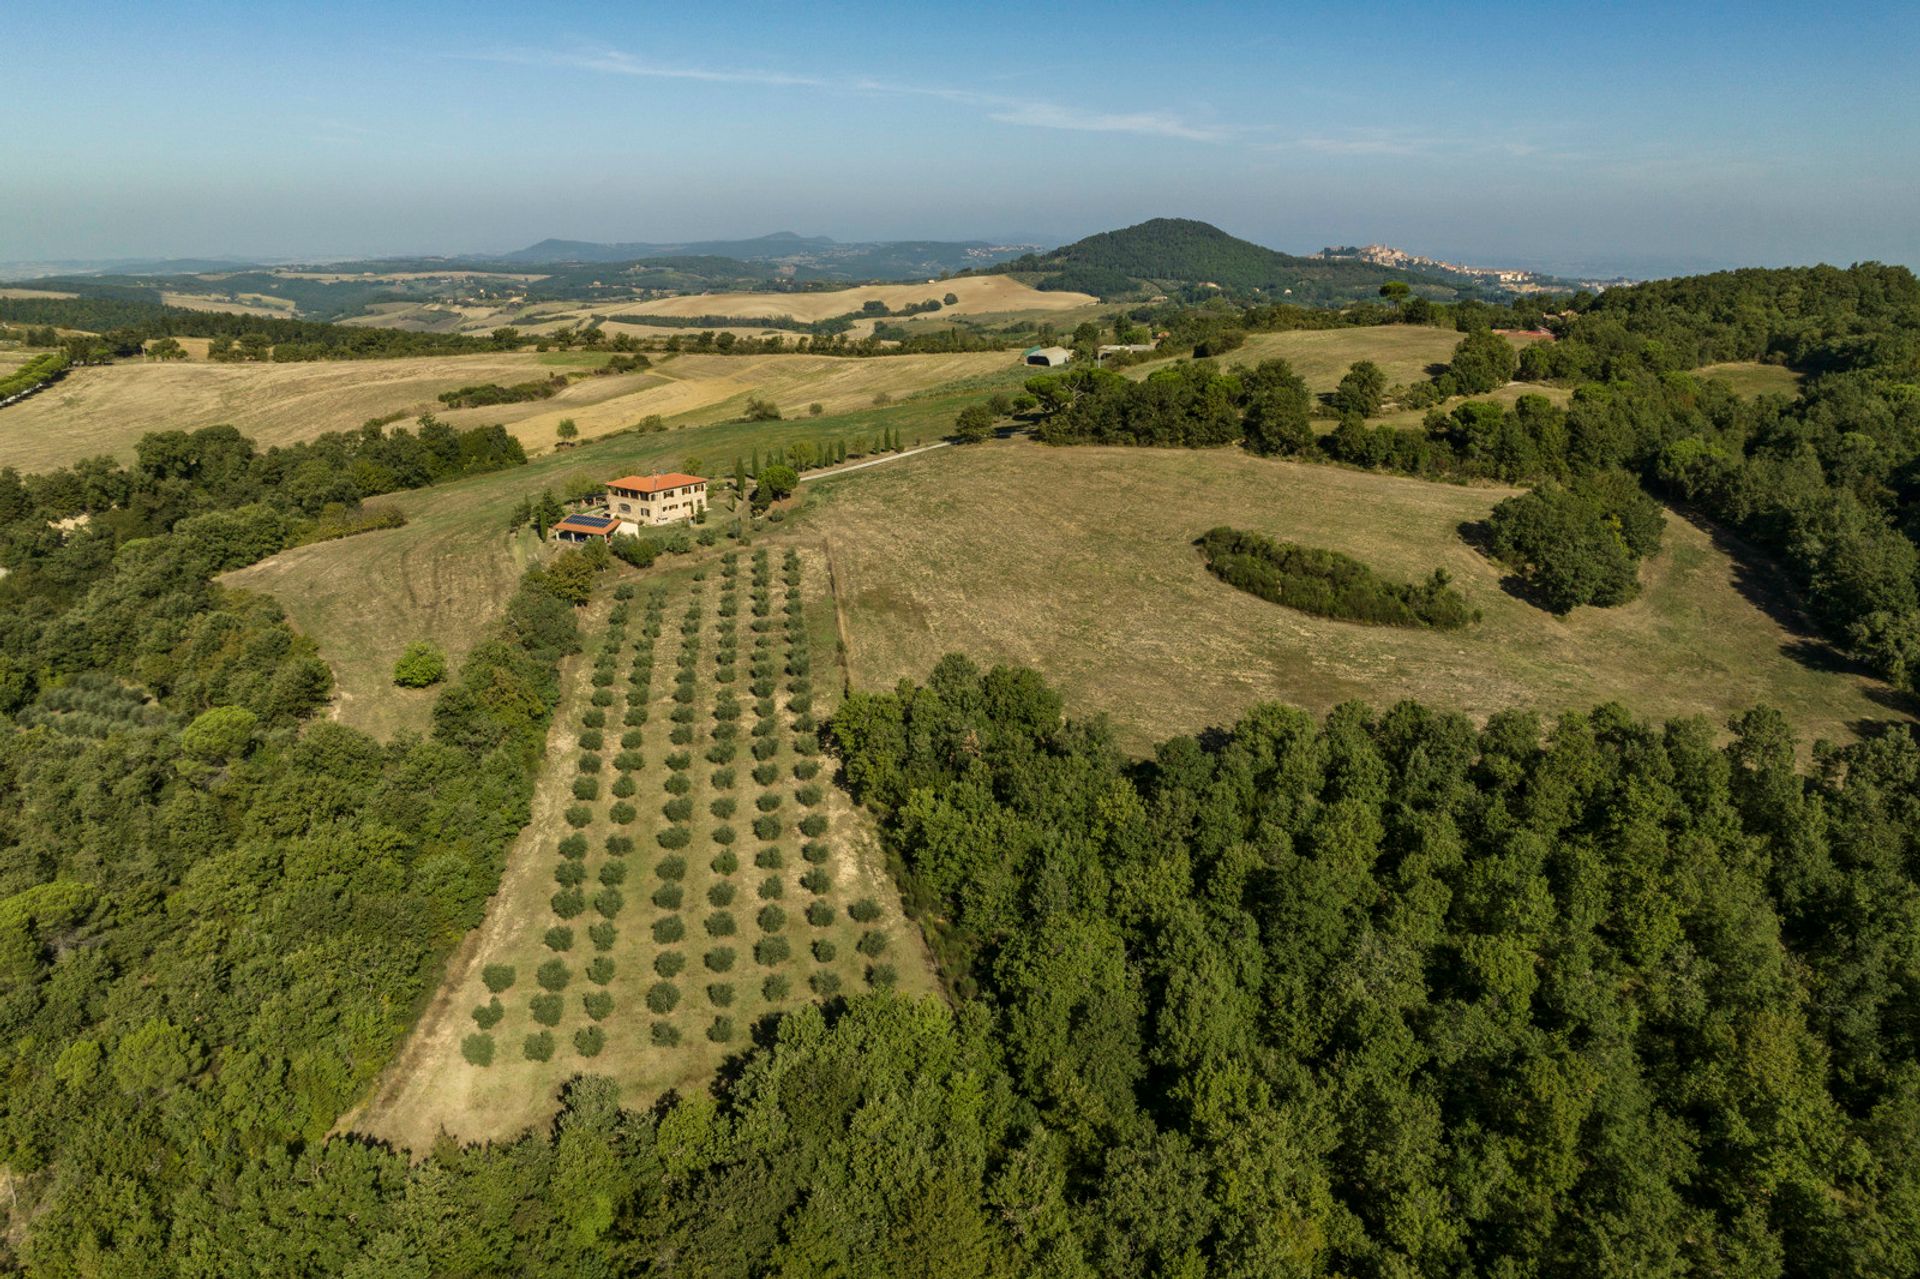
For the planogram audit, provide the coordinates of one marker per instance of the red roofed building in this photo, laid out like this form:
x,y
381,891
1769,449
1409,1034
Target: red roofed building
x,y
645,500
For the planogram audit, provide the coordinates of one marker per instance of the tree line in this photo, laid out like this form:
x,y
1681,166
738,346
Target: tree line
x,y
1329,584
125,326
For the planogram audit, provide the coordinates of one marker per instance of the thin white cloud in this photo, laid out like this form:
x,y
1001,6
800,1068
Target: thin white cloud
x,y
1023,112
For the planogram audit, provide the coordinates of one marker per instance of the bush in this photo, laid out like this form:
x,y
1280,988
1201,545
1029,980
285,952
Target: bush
x,y
766,748
586,788
567,903
578,815
498,978
775,988
674,837
819,914
629,761
719,959
608,901
619,845
478,1049
671,868
623,786
678,809
771,919
772,888
768,802
554,974
723,779
825,951
538,1046
423,664
721,1031
882,976
679,761
600,971
678,784
720,895
602,697
721,753
720,994
720,924
663,997
767,827
816,881
488,1015
589,763
1329,584
813,825
724,862
664,1035
591,739
766,774
1577,545
815,851
613,874
668,930
574,846
805,768
559,938
865,911
769,858
568,874
769,951
810,795
598,1004
546,1009
825,985
668,963
872,944
622,813
594,718
668,896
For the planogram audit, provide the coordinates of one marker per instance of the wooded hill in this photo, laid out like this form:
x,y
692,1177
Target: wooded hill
x,y
1170,254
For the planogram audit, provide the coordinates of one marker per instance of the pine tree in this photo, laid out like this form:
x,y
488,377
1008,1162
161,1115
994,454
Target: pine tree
x,y
739,475
546,513
756,463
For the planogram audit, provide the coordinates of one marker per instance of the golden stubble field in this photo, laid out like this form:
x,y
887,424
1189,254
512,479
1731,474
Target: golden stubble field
x,y
1079,562
107,409
975,294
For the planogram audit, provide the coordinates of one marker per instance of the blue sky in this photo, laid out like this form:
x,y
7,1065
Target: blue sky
x,y
1641,137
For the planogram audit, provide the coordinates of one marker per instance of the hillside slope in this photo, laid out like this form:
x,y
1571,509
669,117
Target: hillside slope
x,y
1174,253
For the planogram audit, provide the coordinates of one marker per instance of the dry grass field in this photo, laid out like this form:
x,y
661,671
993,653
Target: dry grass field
x,y
977,294
261,304
688,921
107,409
1079,562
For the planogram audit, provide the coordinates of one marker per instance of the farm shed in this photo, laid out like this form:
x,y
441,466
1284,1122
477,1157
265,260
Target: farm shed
x,y
1048,356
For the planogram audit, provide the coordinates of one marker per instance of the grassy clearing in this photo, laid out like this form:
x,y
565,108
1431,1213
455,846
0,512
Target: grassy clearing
x,y
686,918
1080,562
108,409
1749,378
449,572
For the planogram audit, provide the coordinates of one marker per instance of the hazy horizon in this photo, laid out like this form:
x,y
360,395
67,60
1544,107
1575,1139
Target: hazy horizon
x,y
1637,141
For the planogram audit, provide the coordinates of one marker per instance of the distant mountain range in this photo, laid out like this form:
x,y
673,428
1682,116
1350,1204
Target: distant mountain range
x,y
788,254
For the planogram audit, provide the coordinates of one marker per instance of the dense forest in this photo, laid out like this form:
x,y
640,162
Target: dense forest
x,y
126,323
1381,995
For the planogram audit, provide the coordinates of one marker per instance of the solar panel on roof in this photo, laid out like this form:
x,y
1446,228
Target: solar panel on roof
x,y
589,521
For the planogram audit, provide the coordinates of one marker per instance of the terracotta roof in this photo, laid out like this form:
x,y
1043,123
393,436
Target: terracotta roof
x,y
654,483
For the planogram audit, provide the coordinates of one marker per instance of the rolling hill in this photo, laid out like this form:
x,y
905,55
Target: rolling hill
x,y
801,256
1167,254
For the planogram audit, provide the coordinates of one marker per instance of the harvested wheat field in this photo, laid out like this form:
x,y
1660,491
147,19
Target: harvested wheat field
x,y
107,409
977,294
1080,562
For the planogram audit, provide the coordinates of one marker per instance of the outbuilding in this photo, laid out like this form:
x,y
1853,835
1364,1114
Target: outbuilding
x,y
1048,356
585,528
